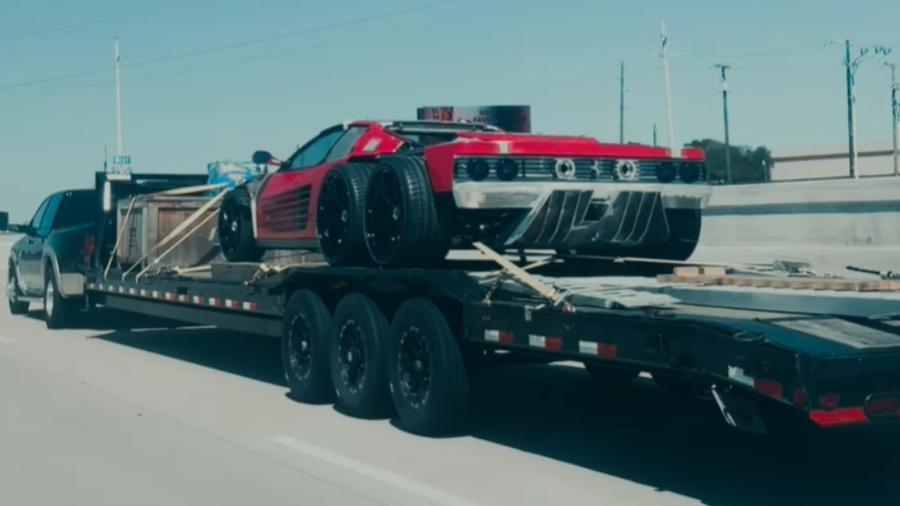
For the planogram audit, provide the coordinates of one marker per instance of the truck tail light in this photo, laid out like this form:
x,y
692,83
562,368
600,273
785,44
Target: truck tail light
x,y
87,249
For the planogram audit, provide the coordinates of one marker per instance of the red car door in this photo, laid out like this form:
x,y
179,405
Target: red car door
x,y
286,205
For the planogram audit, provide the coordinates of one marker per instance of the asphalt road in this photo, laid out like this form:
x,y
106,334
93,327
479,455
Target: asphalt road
x,y
128,410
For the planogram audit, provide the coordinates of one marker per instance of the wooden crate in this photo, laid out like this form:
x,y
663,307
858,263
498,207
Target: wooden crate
x,y
153,218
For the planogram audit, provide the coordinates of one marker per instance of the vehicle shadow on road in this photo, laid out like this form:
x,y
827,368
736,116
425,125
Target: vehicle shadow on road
x,y
632,431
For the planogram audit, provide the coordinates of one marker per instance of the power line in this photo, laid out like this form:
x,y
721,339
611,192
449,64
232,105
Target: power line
x,y
233,45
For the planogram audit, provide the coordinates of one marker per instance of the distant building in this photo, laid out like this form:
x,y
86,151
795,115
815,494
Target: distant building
x,y
829,162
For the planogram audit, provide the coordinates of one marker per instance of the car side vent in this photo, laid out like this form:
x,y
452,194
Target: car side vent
x,y
303,207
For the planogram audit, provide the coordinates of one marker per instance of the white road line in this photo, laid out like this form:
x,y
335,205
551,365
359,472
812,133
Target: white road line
x,y
434,495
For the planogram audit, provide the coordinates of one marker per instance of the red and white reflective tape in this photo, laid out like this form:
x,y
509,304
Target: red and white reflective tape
x,y
499,336
764,386
169,296
212,301
596,349
545,342
231,304
182,298
196,299
248,306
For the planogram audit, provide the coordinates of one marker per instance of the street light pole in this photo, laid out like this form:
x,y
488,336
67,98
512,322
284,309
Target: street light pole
x,y
120,149
895,112
724,78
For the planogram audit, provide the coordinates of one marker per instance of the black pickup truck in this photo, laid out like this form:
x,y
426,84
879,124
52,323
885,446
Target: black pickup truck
x,y
48,263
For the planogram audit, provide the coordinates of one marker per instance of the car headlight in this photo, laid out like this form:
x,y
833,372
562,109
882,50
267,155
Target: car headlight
x,y
507,169
666,172
477,169
689,172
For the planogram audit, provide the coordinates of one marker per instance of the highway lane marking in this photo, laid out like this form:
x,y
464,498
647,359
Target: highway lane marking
x,y
395,480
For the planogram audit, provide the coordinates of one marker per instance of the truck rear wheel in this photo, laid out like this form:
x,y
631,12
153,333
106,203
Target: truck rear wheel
x,y
429,385
358,368
235,228
401,222
58,311
340,214
307,330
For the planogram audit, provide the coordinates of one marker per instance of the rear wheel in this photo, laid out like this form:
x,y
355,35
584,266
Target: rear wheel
x,y
236,228
58,311
340,215
358,367
16,307
429,385
401,222
307,330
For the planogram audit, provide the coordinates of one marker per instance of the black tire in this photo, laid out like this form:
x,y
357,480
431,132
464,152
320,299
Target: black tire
x,y
604,376
58,311
359,358
236,228
16,307
428,380
401,223
306,332
340,215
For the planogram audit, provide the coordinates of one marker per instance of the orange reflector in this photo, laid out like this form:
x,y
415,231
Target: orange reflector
x,y
768,387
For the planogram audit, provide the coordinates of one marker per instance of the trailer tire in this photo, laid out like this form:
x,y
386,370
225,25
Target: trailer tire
x,y
358,356
429,384
307,330
58,311
341,210
401,223
235,228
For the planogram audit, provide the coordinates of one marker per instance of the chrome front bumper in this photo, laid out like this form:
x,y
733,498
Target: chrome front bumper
x,y
584,215
511,195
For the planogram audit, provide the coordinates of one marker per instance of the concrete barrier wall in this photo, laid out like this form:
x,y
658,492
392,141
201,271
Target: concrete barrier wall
x,y
862,212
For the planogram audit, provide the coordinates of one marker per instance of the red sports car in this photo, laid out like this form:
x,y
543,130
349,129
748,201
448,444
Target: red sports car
x,y
403,192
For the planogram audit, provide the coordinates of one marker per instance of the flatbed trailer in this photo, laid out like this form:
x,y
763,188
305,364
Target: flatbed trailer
x,y
406,340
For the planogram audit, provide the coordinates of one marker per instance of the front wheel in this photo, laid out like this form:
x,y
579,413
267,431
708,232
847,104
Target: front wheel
x,y
236,228
16,306
429,384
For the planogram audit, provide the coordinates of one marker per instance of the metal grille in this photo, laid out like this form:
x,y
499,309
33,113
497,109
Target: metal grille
x,y
288,212
586,169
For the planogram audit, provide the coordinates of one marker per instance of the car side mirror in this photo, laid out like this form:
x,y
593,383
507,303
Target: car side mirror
x,y
263,158
21,229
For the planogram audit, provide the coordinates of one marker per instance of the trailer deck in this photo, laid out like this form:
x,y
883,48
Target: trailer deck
x,y
835,363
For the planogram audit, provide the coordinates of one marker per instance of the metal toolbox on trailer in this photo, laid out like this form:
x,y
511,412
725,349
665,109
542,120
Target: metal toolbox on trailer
x,y
152,218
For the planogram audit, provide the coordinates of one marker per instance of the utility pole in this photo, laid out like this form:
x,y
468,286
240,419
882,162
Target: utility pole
x,y
664,41
895,111
654,134
850,67
724,78
621,102
120,149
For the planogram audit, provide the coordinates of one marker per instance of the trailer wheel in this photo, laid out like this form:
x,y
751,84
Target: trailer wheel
x,y
428,380
306,332
236,228
58,312
340,215
16,307
401,222
358,368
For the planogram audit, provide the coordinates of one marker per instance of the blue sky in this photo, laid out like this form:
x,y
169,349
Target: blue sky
x,y
208,80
